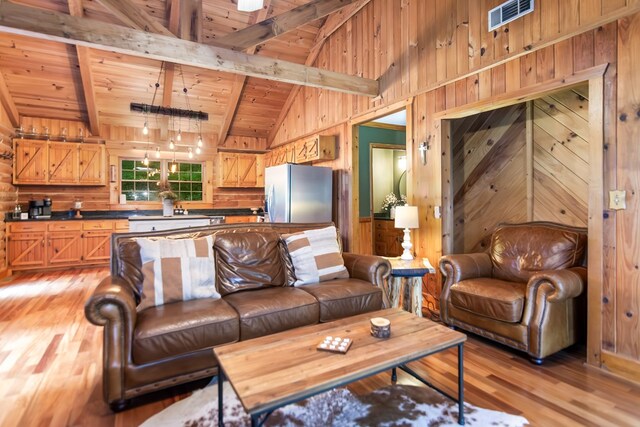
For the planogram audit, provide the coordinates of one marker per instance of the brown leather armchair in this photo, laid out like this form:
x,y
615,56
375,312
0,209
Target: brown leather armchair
x,y
528,291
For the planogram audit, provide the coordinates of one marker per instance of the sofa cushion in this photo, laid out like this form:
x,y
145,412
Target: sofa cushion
x,y
345,297
249,260
269,310
316,256
520,251
493,298
183,327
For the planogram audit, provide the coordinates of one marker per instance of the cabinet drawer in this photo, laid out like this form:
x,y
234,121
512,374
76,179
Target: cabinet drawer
x,y
97,225
121,225
65,226
27,227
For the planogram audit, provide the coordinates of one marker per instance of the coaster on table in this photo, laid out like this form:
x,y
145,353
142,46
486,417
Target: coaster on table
x,y
335,344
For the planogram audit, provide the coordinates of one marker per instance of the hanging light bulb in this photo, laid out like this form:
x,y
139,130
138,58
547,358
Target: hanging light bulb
x,y
172,146
157,152
179,137
145,161
145,129
174,167
199,141
198,150
190,153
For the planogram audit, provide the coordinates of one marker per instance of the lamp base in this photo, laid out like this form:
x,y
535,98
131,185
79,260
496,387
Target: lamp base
x,y
406,245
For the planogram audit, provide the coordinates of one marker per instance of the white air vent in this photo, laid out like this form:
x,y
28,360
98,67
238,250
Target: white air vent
x,y
508,11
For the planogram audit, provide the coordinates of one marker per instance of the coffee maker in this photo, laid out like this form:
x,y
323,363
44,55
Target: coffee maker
x,y
40,208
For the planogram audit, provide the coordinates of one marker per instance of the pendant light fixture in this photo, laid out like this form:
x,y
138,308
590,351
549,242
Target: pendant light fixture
x,y
249,5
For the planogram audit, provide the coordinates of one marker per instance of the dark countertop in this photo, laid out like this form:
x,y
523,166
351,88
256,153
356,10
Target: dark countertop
x,y
98,215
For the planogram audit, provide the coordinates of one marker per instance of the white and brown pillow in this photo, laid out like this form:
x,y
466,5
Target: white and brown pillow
x,y
316,256
176,270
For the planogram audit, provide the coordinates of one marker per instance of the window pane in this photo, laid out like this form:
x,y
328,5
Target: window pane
x,y
185,186
185,167
155,164
153,196
185,176
196,167
173,176
127,174
127,165
141,175
196,187
185,196
196,196
196,176
127,186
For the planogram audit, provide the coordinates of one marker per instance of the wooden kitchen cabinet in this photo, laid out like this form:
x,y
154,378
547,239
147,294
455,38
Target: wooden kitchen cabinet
x,y
317,147
64,248
96,246
58,163
239,170
30,165
236,219
26,250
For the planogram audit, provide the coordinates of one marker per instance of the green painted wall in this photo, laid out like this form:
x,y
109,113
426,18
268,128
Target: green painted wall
x,y
366,137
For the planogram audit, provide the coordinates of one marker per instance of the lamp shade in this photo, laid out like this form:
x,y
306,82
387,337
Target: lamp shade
x,y
406,217
249,5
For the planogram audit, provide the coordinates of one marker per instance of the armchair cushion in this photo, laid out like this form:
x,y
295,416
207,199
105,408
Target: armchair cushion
x,y
492,298
518,252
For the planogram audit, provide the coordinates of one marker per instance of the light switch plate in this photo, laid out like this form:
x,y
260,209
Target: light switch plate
x,y
617,199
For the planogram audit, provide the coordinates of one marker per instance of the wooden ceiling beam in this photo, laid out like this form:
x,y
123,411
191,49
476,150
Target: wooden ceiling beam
x,y
59,27
134,17
175,10
8,104
238,83
84,64
267,29
330,26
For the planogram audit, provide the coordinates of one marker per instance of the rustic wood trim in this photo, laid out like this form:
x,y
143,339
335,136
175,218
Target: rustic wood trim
x,y
447,186
529,155
365,117
354,230
628,369
385,126
595,274
238,86
8,104
523,95
84,61
331,25
55,26
267,29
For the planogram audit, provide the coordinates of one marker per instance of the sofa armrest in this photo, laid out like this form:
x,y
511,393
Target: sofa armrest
x,y
113,306
369,268
560,284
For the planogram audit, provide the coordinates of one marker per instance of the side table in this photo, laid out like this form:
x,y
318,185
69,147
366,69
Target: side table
x,y
406,276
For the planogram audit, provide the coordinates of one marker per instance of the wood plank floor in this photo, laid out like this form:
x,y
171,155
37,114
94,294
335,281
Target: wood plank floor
x,y
51,356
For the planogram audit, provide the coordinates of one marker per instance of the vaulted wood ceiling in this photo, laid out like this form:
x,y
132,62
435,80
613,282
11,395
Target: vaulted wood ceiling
x,y
50,79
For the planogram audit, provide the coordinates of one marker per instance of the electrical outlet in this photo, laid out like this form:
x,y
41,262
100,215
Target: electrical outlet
x,y
436,212
617,199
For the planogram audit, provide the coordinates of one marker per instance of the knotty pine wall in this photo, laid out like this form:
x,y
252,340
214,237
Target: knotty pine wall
x,y
7,190
439,55
127,142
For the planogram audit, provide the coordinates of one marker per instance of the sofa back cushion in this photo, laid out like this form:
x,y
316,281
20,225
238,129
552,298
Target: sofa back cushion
x,y
176,270
316,256
248,260
519,251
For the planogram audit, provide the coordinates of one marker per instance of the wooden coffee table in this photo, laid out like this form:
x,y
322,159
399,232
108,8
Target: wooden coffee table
x,y
273,371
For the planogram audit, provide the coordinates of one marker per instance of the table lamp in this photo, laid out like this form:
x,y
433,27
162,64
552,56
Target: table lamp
x,y
407,218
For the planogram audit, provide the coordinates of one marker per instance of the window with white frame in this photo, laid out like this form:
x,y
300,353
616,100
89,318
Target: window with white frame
x,y
140,183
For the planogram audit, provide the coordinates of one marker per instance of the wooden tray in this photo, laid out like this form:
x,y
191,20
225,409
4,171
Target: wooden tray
x,y
335,344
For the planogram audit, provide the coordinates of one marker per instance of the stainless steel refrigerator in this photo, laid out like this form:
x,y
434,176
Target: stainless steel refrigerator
x,y
298,193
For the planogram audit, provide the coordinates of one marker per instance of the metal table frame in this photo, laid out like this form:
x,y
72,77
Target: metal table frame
x,y
258,418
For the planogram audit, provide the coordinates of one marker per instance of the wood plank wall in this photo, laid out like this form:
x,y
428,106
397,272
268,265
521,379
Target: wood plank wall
x,y
440,53
489,174
7,190
128,142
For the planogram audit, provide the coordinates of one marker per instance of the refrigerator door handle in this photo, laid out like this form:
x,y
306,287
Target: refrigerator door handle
x,y
269,203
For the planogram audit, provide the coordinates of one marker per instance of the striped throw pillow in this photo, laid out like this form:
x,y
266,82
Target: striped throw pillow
x,y
176,270
316,256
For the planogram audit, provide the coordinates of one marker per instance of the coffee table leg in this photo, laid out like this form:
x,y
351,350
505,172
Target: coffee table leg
x,y
220,405
394,375
460,384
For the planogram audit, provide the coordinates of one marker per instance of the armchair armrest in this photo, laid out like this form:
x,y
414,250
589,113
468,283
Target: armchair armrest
x,y
465,266
560,284
369,268
112,301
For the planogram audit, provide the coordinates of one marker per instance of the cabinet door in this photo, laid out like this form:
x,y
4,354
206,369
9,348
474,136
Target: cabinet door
x,y
96,246
312,147
64,248
92,164
228,169
63,163
247,170
26,250
301,151
30,162
260,170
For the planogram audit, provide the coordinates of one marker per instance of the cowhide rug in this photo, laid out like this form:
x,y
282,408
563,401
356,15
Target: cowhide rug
x,y
397,405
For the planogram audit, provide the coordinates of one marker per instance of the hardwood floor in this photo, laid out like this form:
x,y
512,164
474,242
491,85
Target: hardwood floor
x,y
51,356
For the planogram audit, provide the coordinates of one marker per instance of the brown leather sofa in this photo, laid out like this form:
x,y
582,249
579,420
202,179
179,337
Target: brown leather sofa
x,y
163,346
528,291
